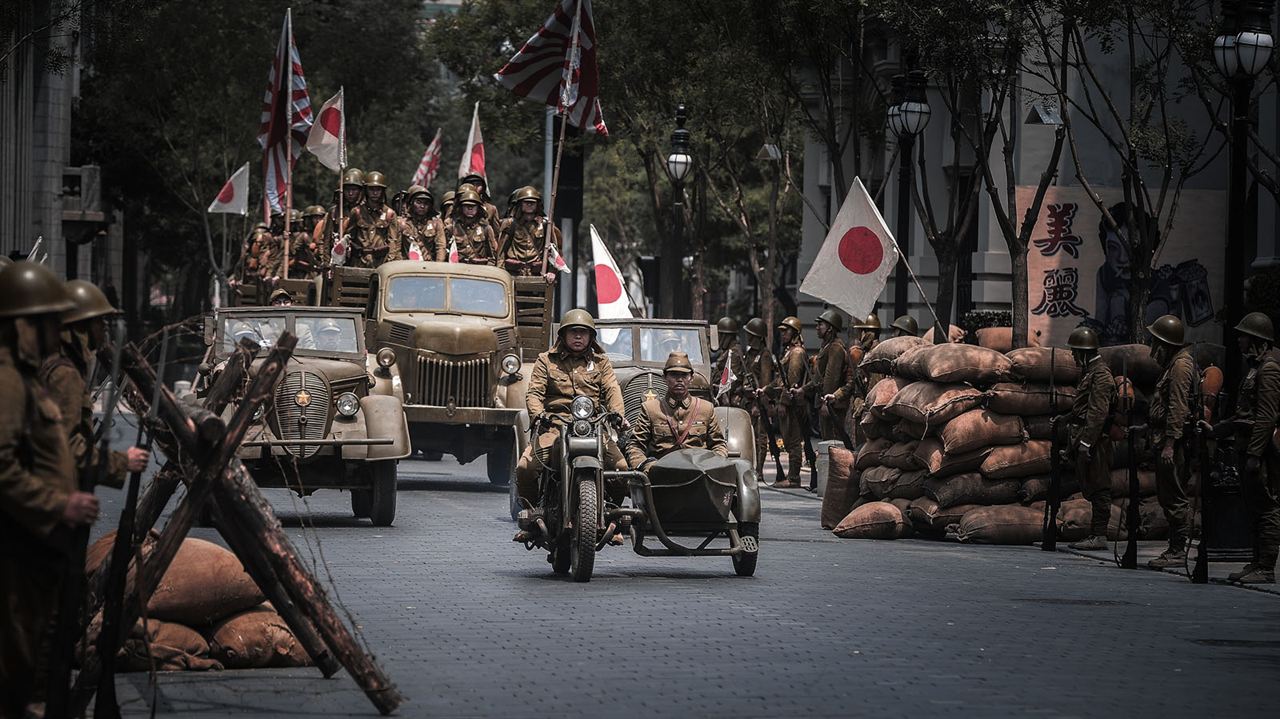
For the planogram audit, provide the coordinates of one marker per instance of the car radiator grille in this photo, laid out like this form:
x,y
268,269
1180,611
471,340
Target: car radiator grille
x,y
464,382
298,422
633,395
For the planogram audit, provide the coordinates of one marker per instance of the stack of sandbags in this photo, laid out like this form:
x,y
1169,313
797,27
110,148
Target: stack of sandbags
x,y
204,591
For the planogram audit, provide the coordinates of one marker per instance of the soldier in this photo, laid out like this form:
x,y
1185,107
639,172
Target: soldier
x,y
1169,415
523,238
1254,424
333,227
861,381
422,230
313,221
760,366
906,326
789,391
468,229
38,491
740,390
677,422
575,366
446,204
1089,438
66,376
481,186
831,383
377,234
303,260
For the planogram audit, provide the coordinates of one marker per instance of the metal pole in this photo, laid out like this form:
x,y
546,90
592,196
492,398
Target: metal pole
x,y
674,264
1238,246
907,141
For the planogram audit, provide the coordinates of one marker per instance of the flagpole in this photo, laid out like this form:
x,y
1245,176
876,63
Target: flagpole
x,y
923,297
564,121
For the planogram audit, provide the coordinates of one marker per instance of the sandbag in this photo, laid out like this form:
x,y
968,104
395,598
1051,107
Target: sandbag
x,y
881,357
869,453
875,520
204,584
1025,400
882,393
955,335
980,428
842,487
931,403
920,514
944,518
876,482
1075,518
1009,524
903,505
940,464
999,339
1120,483
1039,427
963,363
1135,362
910,364
256,638
97,552
1034,364
906,431
1018,460
972,488
901,455
1035,489
871,427
174,647
1118,524
910,485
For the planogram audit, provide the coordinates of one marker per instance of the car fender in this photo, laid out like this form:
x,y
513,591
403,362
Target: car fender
x,y
738,433
747,507
386,382
383,418
516,390
522,432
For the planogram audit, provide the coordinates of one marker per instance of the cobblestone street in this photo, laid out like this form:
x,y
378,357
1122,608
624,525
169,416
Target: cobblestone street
x,y
469,624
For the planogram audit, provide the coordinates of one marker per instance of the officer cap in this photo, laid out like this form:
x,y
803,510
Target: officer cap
x,y
907,323
1257,324
577,317
89,302
755,327
528,192
727,326
872,322
792,323
29,288
353,176
1168,329
375,179
280,293
833,318
467,197
415,190
1083,338
678,362
313,211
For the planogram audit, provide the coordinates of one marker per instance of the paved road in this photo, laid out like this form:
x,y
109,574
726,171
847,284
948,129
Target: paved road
x,y
469,624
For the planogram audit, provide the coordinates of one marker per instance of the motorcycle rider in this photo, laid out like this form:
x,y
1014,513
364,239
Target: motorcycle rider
x,y
677,422
575,366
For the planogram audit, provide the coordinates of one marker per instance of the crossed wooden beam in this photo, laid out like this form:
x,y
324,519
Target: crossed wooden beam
x,y
201,450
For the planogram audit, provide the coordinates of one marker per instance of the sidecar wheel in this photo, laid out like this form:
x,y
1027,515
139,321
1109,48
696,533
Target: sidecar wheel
x,y
744,565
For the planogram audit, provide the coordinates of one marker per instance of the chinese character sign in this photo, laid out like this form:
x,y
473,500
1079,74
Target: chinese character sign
x,y
1078,271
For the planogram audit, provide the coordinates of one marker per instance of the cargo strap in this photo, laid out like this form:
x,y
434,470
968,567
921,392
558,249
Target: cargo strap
x,y
682,436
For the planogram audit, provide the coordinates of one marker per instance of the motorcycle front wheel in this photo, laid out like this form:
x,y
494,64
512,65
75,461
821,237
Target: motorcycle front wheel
x,y
582,544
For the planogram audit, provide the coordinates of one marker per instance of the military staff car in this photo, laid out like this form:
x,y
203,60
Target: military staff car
x,y
336,421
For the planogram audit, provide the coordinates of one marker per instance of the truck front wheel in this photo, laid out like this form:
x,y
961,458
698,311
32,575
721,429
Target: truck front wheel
x,y
383,509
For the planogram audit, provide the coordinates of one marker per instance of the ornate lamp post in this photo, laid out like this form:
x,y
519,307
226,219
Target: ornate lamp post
x,y
679,164
906,118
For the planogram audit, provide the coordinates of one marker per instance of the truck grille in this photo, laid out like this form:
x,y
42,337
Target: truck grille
x,y
635,390
298,422
465,382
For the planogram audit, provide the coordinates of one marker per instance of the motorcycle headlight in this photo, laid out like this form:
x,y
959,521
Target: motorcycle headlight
x,y
386,357
582,407
511,364
347,404
581,428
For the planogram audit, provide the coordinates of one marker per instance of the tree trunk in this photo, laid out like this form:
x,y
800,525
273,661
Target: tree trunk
x,y
767,283
945,252
1021,320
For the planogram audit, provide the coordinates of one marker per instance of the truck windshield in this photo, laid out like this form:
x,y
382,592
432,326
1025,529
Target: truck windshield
x,y
263,329
656,343
616,342
327,334
410,293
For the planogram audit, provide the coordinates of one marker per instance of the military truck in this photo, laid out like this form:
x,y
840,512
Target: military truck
x,y
465,338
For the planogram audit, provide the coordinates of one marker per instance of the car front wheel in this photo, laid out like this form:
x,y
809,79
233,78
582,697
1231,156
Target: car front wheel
x,y
383,509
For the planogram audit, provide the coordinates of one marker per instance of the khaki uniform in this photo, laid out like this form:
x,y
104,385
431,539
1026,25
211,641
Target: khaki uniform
x,y
1088,419
65,377
794,412
303,259
265,251
1259,410
331,230
558,376
522,244
37,477
428,234
1170,411
376,238
477,245
831,378
860,383
742,382
760,367
666,425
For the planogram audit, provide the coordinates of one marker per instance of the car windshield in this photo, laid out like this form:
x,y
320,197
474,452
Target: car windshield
x,y
658,342
440,294
327,334
263,329
617,343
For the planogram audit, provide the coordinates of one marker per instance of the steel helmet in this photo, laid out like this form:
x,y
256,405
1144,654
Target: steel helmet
x,y
415,190
1168,329
475,180
295,216
577,317
467,196
375,179
313,211
1083,338
872,322
353,176
755,327
907,324
1257,324
678,362
29,288
447,198
279,294
792,323
528,192
89,302
727,326
833,318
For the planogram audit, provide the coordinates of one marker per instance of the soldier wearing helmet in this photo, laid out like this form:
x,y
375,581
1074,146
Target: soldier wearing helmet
x,y
793,375
304,260
906,326
246,268
422,230
446,204
313,222
575,366
470,231
1088,432
677,421
1254,426
523,238
481,186
734,387
38,488
868,337
1169,415
831,383
375,238
338,223
759,363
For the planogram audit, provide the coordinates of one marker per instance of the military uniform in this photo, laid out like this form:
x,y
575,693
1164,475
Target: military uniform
x,y
831,378
428,234
760,367
474,239
666,425
860,384
1259,410
376,238
523,243
65,376
1170,413
1088,419
794,411
303,258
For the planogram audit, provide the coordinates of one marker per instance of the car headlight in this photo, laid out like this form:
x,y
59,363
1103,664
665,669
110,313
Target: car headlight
x,y
347,404
257,413
386,357
581,428
582,407
511,364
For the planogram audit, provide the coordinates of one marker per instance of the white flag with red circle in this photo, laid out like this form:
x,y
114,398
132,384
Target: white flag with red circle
x,y
554,259
453,252
338,256
854,262
473,158
233,198
327,140
611,290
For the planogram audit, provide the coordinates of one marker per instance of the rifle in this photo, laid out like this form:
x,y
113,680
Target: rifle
x,y
772,433
105,705
1049,538
810,455
841,434
70,602
1130,558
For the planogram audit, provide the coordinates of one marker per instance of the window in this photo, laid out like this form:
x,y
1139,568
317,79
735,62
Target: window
x,y
617,343
478,297
656,343
263,329
327,334
409,293
419,293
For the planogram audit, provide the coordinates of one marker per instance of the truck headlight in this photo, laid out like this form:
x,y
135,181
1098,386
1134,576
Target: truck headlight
x,y
386,357
511,364
582,407
348,404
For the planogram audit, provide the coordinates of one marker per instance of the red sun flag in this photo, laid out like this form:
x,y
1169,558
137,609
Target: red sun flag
x,y
860,251
233,198
854,262
328,138
611,294
473,157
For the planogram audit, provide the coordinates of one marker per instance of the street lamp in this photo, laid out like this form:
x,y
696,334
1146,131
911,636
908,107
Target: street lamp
x,y
907,118
679,164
